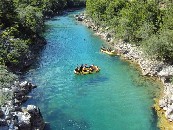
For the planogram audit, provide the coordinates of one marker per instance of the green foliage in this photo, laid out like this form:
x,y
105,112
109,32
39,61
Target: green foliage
x,y
160,46
144,22
51,7
5,96
12,49
6,80
18,49
7,13
114,8
75,3
138,18
31,17
171,80
97,9
168,17
22,24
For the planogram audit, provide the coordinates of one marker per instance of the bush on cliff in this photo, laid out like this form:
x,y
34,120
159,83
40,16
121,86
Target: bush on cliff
x,y
13,50
142,22
21,27
22,24
6,80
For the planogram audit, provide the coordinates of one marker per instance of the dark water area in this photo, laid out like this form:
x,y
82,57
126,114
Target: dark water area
x,y
116,98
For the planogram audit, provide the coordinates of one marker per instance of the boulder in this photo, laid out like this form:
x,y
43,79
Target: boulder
x,y
166,72
15,89
4,128
3,122
36,117
31,108
16,101
24,83
24,126
79,19
13,117
169,112
16,83
23,119
162,103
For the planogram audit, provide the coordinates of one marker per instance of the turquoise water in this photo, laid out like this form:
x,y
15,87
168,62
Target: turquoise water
x,y
116,98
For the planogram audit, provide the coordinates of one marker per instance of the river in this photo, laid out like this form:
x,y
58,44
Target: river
x,y
116,98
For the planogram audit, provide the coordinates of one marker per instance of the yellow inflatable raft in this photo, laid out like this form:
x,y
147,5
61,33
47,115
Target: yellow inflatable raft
x,y
87,70
111,53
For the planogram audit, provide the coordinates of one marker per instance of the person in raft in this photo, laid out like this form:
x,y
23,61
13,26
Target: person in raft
x,y
81,68
77,69
103,48
85,68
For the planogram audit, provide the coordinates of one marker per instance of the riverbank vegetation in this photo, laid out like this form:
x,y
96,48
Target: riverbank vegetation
x,y
6,80
146,23
21,28
22,24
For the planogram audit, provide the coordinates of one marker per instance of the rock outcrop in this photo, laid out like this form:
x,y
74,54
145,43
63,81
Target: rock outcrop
x,y
15,117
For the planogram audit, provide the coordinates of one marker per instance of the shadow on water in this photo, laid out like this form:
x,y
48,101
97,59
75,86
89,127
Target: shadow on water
x,y
36,62
154,119
47,126
54,19
65,121
96,80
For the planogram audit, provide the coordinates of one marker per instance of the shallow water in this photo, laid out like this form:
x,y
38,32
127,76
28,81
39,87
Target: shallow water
x,y
116,98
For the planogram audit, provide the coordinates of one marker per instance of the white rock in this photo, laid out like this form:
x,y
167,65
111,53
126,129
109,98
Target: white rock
x,y
31,107
23,117
167,71
24,83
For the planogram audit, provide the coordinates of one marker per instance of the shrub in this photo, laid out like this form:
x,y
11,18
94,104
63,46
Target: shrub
x,y
6,80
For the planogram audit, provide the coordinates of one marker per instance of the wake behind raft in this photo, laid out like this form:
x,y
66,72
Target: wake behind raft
x,y
84,69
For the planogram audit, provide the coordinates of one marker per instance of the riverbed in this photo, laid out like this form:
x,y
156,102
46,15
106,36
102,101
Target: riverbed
x,y
116,98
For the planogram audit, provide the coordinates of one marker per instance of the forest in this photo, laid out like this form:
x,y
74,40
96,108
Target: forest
x,y
145,23
21,29
22,25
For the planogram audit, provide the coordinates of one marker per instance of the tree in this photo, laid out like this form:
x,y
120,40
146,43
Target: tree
x,y
168,18
31,17
160,46
7,13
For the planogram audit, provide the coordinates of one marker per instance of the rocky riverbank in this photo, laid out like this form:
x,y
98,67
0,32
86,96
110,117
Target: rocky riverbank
x,y
149,67
15,117
13,93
